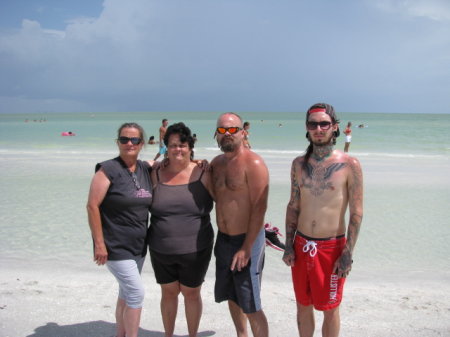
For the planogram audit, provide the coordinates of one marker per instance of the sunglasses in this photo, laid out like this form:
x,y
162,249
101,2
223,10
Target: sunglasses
x,y
324,125
232,130
134,140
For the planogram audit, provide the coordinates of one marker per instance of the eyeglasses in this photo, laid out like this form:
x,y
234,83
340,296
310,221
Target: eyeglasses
x,y
134,140
232,130
324,125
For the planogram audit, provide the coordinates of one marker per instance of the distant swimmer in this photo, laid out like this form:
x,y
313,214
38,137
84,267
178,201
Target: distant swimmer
x,y
67,133
348,136
151,140
247,135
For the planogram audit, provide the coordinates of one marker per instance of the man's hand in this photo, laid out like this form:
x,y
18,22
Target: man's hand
x,y
203,164
343,264
289,256
240,260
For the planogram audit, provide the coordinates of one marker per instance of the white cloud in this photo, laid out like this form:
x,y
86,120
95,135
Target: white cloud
x,y
176,55
438,10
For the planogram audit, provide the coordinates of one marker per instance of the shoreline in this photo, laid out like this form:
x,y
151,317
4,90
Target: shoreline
x,y
65,301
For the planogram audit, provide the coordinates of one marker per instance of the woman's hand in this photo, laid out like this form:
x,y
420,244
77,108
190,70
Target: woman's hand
x,y
100,254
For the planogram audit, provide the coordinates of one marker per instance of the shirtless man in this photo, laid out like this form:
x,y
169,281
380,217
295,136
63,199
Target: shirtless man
x,y
324,182
241,184
247,135
162,132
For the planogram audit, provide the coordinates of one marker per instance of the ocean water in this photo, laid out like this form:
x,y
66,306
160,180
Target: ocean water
x,y
405,158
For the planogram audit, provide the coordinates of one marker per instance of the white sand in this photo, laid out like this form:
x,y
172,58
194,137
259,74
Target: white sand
x,y
69,302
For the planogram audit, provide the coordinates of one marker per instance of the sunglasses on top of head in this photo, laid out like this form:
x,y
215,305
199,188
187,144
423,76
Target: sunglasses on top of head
x,y
134,140
324,125
232,130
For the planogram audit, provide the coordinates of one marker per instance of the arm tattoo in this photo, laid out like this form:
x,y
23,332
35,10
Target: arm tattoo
x,y
295,189
355,203
293,209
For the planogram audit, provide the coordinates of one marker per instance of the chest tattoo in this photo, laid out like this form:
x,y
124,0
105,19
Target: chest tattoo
x,y
318,177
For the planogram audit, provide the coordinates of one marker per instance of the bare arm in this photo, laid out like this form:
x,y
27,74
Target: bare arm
x,y
258,187
99,186
292,213
355,194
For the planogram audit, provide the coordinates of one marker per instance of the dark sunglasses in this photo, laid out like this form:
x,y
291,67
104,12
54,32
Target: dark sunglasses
x,y
134,140
232,130
324,125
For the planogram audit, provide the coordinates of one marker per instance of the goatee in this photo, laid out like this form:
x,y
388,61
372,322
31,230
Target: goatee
x,y
226,146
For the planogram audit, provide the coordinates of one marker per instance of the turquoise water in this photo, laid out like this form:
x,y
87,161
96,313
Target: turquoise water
x,y
385,134
405,157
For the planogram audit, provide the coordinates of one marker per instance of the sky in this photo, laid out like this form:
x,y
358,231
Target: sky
x,y
224,55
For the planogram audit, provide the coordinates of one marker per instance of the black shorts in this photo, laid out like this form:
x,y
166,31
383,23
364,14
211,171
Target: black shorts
x,y
242,287
188,269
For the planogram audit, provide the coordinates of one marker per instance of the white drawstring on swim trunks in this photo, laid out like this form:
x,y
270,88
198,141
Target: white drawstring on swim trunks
x,y
311,247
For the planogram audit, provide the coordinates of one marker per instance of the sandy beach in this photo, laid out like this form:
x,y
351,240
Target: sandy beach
x,y
49,287
70,302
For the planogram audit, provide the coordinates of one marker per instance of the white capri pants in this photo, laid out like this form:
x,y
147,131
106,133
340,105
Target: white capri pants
x,y
128,274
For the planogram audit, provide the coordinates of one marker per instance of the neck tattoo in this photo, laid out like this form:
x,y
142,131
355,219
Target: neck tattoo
x,y
321,153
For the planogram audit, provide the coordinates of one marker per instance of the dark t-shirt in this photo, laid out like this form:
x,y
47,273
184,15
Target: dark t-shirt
x,y
125,209
180,222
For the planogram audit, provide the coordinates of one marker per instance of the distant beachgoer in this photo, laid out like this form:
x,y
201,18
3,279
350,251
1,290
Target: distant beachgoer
x,y
162,132
241,184
119,198
247,135
195,138
361,126
151,140
181,236
324,182
348,136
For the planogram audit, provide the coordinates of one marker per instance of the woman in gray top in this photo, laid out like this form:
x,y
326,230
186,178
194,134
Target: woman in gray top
x,y
180,234
119,198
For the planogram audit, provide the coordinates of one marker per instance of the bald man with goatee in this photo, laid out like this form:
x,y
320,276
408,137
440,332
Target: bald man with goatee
x,y
241,185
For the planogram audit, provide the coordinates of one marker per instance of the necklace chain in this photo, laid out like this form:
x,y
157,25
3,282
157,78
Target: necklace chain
x,y
135,179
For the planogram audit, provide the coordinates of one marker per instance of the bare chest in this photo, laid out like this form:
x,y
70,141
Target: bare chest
x,y
230,179
320,178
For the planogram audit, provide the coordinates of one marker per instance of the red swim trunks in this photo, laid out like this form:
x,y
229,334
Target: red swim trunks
x,y
312,275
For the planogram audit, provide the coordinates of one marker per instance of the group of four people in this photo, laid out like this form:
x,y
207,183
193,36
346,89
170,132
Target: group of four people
x,y
180,195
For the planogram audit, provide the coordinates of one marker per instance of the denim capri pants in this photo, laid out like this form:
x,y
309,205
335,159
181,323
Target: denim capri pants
x,y
128,274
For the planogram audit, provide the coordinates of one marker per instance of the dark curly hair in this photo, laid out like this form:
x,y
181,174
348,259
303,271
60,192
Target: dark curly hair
x,y
183,132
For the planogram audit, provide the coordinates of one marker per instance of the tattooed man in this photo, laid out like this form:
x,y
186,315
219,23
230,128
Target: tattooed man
x,y
324,182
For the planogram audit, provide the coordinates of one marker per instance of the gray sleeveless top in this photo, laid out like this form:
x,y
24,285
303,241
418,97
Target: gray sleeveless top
x,y
124,210
180,218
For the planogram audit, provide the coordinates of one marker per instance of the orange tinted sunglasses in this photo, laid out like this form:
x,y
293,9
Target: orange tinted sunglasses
x,y
232,130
